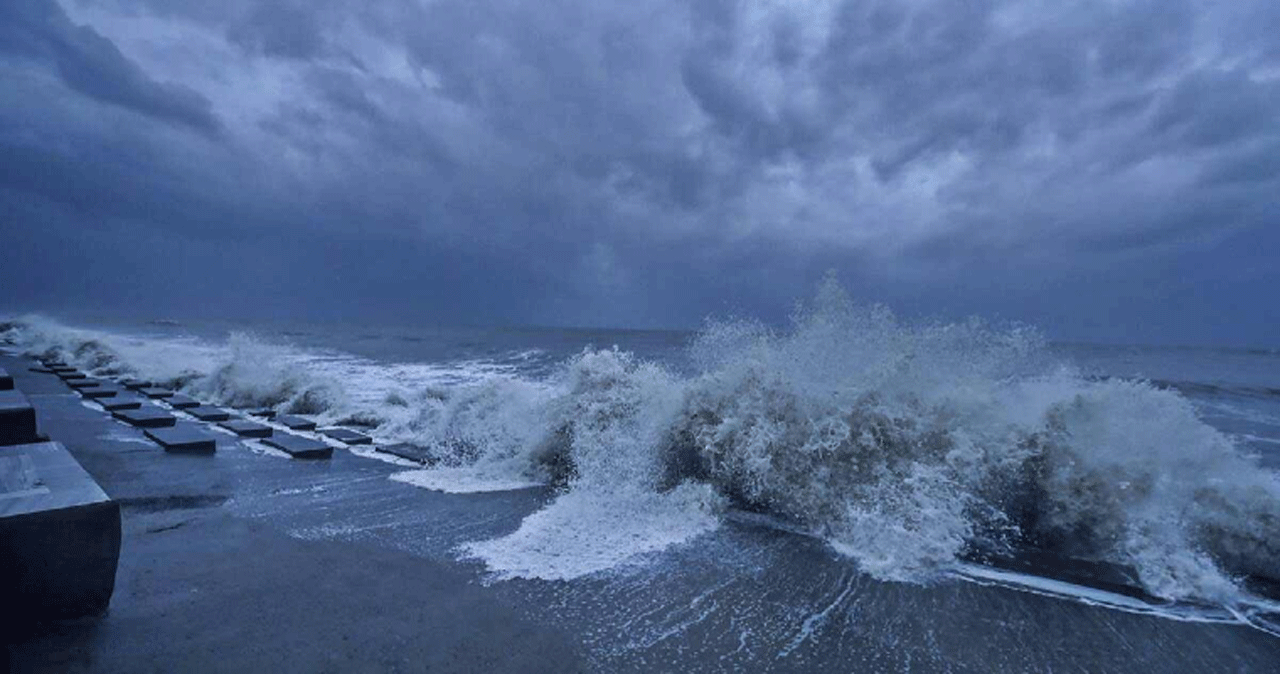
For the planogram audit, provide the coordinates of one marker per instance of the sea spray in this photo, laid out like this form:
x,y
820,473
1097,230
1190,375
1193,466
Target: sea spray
x,y
257,373
606,433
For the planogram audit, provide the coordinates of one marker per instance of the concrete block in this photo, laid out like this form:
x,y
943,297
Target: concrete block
x,y
17,419
296,423
6,381
184,438
405,450
54,362
299,447
348,436
73,374
59,536
263,412
41,370
208,413
122,401
156,393
148,416
247,429
181,402
79,384
135,384
99,392
62,368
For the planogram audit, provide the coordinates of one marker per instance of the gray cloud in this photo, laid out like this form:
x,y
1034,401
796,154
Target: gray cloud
x,y
588,162
92,65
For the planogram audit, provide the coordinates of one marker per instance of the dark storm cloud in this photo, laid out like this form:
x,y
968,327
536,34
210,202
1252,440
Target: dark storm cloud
x,y
92,65
287,29
646,163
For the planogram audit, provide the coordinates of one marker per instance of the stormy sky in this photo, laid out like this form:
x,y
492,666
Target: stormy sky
x,y
1108,170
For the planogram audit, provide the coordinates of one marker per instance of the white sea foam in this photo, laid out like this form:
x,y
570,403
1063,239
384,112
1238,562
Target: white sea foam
x,y
465,480
586,531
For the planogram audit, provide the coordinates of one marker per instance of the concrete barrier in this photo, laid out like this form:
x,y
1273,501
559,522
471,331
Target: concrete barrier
x,y
299,447
181,402
79,384
247,429
71,375
6,381
409,452
294,423
184,438
208,413
59,536
148,416
135,384
122,401
348,436
155,392
17,419
99,392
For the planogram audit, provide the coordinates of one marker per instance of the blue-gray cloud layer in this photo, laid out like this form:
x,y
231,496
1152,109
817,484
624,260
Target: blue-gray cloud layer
x,y
1110,169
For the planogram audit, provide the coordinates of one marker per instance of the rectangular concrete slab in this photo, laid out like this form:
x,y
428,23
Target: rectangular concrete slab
x,y
62,368
182,402
17,419
99,392
84,383
405,450
263,412
59,536
296,423
156,392
247,429
148,416
122,401
184,438
299,447
54,362
348,436
73,374
6,381
208,413
135,384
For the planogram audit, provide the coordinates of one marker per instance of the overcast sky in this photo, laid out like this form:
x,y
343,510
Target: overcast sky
x,y
1108,170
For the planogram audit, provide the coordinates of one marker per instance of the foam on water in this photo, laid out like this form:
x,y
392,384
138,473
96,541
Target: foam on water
x,y
586,531
907,447
466,480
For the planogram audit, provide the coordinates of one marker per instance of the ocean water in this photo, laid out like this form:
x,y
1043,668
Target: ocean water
x,y
921,452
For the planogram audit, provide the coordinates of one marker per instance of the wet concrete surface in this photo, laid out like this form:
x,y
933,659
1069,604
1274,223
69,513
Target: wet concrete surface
x,y
204,588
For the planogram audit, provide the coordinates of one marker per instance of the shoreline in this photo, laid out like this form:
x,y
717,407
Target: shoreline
x,y
245,560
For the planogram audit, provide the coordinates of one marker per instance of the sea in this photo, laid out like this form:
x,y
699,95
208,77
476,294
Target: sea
x,y
851,491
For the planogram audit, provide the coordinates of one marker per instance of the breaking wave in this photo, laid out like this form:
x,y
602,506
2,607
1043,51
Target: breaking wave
x,y
907,447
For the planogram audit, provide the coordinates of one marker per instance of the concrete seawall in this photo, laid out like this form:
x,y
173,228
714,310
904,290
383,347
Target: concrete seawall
x,y
202,588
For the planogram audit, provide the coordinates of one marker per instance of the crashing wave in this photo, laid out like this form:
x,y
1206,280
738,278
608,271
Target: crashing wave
x,y
908,448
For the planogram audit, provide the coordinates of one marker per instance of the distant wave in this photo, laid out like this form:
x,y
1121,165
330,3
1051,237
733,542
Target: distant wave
x,y
1201,388
907,448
